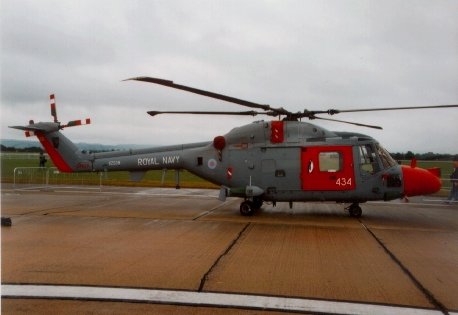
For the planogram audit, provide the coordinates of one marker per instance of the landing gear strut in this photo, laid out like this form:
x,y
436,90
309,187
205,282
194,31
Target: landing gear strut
x,y
355,210
249,207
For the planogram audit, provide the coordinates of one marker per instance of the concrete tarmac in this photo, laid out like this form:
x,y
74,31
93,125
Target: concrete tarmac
x,y
398,254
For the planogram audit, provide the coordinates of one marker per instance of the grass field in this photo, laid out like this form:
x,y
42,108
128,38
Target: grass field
x,y
152,178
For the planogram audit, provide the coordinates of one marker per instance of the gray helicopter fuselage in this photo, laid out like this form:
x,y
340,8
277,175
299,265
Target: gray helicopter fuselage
x,y
275,161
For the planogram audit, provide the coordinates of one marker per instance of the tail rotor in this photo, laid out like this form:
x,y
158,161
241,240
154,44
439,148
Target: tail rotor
x,y
71,123
33,129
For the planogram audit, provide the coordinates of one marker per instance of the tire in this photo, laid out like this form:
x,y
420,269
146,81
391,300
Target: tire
x,y
356,211
246,208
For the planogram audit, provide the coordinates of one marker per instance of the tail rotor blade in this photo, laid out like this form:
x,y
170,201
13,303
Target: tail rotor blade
x,y
53,107
29,133
73,123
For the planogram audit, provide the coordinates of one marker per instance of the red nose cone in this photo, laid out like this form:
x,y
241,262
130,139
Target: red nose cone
x,y
418,181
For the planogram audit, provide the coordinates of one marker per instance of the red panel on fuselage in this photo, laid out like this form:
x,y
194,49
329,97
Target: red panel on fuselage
x,y
276,132
327,168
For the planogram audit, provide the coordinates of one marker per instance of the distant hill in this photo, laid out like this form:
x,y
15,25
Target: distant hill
x,y
23,144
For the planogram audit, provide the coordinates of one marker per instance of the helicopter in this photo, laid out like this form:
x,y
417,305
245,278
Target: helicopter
x,y
282,160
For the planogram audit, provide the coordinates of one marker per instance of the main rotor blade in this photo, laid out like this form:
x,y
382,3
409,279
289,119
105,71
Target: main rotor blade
x,y
347,122
337,111
247,113
210,94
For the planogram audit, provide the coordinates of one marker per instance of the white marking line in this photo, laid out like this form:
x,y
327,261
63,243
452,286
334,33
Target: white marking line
x,y
203,299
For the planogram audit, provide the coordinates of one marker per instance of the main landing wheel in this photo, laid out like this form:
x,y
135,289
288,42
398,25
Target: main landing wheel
x,y
355,210
247,208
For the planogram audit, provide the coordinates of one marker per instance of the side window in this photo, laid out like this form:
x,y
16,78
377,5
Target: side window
x,y
330,161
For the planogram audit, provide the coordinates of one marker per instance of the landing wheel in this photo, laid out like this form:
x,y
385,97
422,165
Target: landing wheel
x,y
355,210
257,203
247,208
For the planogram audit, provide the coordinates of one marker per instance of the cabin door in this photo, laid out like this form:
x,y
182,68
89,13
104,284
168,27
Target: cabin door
x,y
327,168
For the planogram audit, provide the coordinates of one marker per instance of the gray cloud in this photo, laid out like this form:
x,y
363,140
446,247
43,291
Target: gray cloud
x,y
296,54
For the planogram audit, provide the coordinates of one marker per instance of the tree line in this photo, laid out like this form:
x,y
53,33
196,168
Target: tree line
x,y
429,156
20,150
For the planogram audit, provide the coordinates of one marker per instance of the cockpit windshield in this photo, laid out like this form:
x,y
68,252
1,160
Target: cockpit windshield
x,y
385,157
369,163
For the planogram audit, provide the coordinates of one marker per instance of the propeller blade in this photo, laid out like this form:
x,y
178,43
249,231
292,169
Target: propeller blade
x,y
347,122
279,111
73,123
53,107
247,113
337,111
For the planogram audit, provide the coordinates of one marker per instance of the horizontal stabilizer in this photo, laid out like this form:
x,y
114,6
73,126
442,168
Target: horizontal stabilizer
x,y
27,128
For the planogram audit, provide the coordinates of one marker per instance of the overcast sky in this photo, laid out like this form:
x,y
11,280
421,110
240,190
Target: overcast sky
x,y
295,54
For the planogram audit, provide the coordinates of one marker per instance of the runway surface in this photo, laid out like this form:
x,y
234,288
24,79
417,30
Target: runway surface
x,y
167,251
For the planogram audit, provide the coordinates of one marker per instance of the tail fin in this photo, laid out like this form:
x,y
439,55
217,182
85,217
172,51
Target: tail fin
x,y
64,153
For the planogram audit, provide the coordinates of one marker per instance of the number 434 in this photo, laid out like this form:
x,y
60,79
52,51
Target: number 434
x,y
342,181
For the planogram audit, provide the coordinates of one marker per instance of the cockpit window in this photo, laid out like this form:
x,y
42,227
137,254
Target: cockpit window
x,y
385,157
368,161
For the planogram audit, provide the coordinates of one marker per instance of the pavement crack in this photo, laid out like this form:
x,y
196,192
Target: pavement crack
x,y
429,296
204,279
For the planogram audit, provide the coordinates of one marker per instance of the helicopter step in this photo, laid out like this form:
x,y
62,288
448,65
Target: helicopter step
x,y
354,210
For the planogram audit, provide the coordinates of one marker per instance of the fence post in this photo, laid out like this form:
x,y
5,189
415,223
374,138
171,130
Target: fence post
x,y
14,177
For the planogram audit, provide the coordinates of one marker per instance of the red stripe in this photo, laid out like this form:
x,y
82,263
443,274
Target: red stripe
x,y
57,159
88,121
51,97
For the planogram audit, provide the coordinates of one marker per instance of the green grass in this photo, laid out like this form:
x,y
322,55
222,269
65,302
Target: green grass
x,y
151,178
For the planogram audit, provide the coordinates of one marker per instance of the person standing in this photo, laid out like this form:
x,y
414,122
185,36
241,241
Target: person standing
x,y
454,181
42,160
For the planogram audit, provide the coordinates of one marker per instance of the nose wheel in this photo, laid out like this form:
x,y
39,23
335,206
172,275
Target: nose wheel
x,y
355,210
